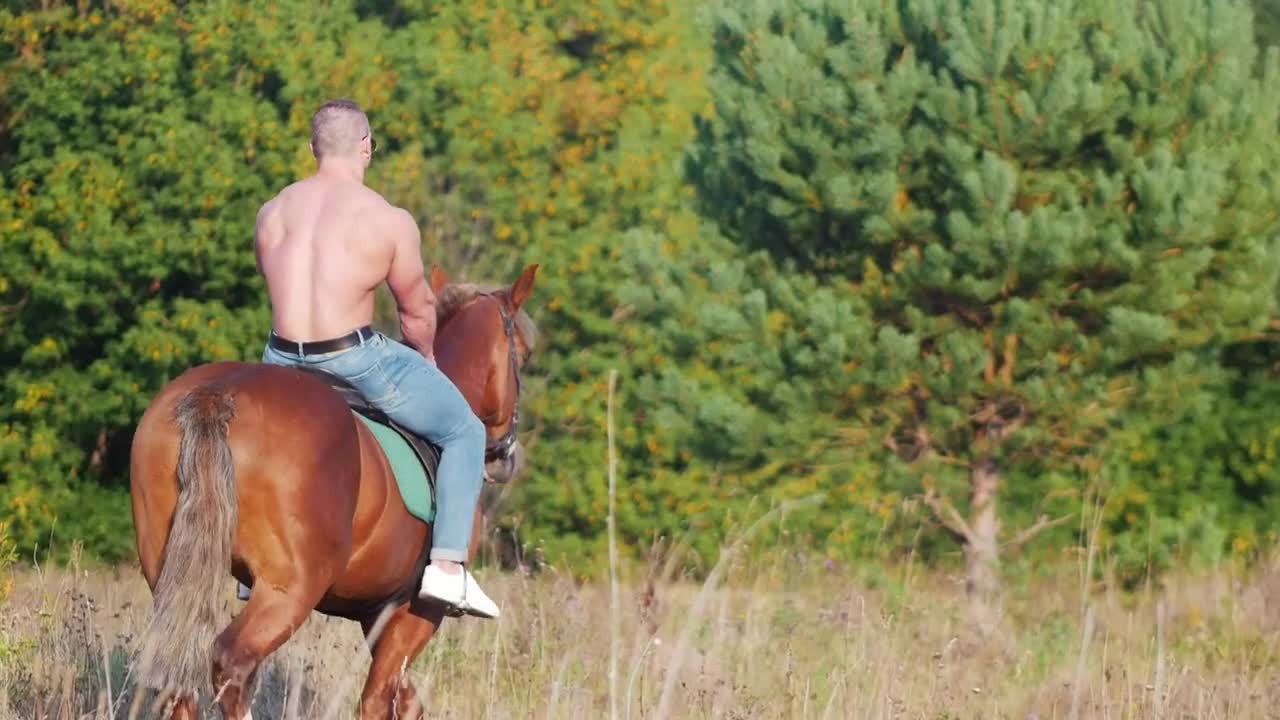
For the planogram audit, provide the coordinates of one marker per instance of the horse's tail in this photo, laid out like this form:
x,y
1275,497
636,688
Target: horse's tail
x,y
176,648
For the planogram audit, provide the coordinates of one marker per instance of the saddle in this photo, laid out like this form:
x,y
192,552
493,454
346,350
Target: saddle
x,y
425,452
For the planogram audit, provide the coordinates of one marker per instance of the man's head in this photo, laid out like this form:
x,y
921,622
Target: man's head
x,y
340,130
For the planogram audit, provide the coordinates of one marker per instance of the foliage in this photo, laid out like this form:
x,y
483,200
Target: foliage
x,y
133,184
1190,488
735,370
1266,22
907,228
1047,206
8,558
140,139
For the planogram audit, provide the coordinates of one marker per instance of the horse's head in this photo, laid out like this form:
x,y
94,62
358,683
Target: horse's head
x,y
483,340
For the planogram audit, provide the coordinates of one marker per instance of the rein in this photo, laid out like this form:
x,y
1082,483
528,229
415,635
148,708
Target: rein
x,y
503,446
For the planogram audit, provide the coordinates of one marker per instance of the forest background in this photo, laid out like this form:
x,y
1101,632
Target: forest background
x,y
964,269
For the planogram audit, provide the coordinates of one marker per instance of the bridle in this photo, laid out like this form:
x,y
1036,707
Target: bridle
x,y
502,448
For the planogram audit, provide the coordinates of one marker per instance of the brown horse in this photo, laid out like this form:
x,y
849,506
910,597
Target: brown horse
x,y
263,472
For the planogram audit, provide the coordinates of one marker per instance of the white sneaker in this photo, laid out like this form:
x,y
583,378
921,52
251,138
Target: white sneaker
x,y
242,592
461,591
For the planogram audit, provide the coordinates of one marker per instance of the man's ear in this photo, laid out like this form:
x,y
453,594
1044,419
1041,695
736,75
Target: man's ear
x,y
439,279
523,287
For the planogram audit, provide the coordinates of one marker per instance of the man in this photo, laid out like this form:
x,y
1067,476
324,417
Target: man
x,y
323,245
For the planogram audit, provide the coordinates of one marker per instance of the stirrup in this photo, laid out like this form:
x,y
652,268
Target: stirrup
x,y
459,606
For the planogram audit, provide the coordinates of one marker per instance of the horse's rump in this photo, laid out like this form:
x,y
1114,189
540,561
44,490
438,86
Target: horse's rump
x,y
303,465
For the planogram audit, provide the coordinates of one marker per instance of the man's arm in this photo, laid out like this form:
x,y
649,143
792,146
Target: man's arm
x,y
408,282
260,233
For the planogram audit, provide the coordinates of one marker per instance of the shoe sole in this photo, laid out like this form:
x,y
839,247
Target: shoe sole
x,y
454,610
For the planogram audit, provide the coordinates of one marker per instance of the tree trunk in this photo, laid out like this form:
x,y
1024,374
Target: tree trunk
x,y
982,548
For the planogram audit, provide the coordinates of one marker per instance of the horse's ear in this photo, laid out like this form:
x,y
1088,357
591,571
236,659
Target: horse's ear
x,y
523,287
439,279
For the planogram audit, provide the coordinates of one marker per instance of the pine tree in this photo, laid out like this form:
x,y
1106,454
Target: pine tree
x,y
1052,208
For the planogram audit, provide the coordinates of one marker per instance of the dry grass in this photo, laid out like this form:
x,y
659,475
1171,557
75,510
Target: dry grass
x,y
783,639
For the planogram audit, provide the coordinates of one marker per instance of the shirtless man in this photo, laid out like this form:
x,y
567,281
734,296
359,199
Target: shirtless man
x,y
323,245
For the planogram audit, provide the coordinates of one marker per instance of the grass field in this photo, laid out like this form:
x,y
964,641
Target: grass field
x,y
787,638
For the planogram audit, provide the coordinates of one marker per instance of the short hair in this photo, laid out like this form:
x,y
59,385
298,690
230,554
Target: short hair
x,y
337,128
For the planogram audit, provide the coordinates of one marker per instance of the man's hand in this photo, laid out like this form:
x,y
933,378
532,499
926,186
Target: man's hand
x,y
429,355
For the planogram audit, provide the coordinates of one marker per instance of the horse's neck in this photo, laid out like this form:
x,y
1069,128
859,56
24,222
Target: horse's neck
x,y
460,369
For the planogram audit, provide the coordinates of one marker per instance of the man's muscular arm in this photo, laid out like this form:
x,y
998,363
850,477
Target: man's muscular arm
x,y
408,282
263,227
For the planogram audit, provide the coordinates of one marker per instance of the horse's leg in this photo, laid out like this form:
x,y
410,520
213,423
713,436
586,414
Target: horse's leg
x,y
182,707
266,622
185,709
286,588
387,693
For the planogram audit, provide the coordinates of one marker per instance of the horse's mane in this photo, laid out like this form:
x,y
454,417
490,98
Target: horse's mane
x,y
454,297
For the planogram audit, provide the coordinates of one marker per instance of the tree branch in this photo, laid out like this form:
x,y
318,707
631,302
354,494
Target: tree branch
x,y
953,461
15,307
948,517
1042,524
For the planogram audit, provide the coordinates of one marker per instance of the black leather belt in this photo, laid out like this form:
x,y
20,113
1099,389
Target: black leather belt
x,y
319,347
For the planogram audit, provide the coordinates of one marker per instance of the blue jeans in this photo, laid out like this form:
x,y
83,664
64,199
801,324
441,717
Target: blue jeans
x,y
396,379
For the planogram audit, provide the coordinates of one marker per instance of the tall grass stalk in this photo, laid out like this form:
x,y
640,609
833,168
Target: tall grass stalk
x,y
704,595
614,602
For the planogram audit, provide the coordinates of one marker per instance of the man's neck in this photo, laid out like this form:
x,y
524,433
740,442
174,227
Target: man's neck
x,y
350,169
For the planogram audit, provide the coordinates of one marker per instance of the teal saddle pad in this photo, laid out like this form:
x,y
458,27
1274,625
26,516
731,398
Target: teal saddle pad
x,y
408,468
414,460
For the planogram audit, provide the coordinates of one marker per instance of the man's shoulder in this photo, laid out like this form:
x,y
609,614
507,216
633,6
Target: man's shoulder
x,y
290,189
272,205
375,201
269,211
388,215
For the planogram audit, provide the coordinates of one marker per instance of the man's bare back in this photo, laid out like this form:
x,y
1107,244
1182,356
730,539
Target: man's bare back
x,y
324,244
